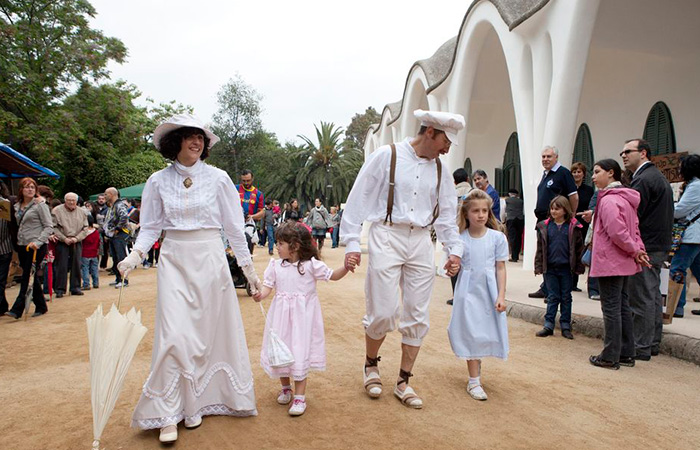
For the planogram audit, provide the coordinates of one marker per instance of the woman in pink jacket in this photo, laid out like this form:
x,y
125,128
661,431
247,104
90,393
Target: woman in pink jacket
x,y
618,252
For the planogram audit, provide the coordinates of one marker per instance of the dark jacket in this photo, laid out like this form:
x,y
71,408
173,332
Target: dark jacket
x,y
575,243
655,210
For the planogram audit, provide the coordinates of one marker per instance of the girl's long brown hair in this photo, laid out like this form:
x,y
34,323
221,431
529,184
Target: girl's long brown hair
x,y
475,196
299,240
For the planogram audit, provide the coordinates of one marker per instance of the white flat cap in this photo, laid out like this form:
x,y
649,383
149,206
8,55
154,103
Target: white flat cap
x,y
180,121
447,122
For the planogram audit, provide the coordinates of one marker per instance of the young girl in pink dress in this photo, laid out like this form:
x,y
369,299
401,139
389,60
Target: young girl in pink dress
x,y
295,312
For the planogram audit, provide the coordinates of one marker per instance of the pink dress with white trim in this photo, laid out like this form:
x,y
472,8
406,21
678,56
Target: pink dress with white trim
x,y
295,315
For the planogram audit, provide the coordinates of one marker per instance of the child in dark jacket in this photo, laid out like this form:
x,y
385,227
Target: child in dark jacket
x,y
558,257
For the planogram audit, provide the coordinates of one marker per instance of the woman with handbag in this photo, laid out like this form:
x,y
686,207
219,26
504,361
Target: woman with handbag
x,y
686,213
35,227
618,252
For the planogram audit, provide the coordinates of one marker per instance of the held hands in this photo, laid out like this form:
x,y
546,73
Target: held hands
x,y
129,263
352,260
253,280
452,265
642,258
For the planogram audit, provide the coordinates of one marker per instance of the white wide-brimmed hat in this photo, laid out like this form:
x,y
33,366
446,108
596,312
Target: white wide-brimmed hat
x,y
448,122
179,121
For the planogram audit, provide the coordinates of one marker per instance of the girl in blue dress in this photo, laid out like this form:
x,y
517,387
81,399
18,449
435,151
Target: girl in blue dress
x,y
478,326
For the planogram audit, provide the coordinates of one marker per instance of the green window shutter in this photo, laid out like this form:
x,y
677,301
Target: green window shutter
x,y
658,130
468,167
583,150
499,181
512,177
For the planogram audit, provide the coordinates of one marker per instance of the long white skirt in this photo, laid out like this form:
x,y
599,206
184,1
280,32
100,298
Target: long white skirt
x,y
200,364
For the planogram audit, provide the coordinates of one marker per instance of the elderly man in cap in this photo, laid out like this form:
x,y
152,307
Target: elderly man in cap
x,y
70,225
402,190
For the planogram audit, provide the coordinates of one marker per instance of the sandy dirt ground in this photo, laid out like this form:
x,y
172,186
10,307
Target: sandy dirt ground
x,y
546,395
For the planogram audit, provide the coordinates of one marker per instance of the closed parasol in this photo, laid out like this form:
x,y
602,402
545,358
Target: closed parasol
x,y
113,339
278,353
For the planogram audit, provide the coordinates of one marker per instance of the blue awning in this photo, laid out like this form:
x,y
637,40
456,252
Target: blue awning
x,y
13,164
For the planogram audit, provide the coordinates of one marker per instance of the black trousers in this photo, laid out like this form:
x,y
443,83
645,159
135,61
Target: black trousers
x,y
617,318
25,262
515,237
67,259
105,252
118,245
5,261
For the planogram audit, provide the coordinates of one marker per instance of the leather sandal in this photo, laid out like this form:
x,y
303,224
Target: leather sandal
x,y
408,396
372,381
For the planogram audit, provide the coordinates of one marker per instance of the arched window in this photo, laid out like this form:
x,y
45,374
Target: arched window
x,y
583,151
468,166
658,130
511,175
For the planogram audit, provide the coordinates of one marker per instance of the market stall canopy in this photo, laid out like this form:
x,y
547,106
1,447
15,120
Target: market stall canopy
x,y
134,191
13,164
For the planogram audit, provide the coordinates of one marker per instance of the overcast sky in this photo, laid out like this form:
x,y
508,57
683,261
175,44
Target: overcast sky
x,y
311,60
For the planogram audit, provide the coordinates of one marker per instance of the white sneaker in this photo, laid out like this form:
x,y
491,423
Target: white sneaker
x,y
477,392
118,285
193,422
168,434
285,396
298,407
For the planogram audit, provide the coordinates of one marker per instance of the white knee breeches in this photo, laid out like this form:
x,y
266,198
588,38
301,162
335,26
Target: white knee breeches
x,y
399,256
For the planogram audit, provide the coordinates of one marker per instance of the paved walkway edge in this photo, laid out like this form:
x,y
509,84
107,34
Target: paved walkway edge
x,y
676,345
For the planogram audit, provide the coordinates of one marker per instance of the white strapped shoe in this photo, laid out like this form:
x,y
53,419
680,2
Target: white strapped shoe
x,y
285,396
477,392
298,407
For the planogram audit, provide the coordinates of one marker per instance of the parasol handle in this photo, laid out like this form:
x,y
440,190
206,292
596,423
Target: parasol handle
x,y
262,310
121,291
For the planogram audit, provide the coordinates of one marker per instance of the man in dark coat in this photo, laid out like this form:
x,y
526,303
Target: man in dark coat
x,y
655,222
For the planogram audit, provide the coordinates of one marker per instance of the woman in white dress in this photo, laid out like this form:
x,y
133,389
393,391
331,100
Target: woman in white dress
x,y
200,364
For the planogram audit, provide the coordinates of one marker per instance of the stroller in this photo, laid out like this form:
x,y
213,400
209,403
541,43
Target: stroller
x,y
239,279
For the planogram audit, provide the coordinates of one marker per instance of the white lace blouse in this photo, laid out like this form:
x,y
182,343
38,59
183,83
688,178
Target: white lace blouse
x,y
211,201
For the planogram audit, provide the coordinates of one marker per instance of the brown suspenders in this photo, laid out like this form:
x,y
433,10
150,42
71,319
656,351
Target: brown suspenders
x,y
392,183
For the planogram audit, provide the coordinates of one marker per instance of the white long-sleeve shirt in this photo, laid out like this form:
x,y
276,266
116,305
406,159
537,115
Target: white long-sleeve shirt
x,y
415,195
212,201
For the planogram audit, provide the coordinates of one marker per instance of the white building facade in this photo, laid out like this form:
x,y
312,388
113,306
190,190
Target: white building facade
x,y
582,75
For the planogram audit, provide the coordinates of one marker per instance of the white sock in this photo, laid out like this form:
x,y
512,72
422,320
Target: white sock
x,y
287,387
474,381
300,397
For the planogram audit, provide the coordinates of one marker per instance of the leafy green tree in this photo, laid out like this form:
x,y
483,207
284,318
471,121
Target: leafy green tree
x,y
357,130
47,46
236,120
106,143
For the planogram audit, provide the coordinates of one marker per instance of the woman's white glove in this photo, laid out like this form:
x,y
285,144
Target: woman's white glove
x,y
129,263
252,277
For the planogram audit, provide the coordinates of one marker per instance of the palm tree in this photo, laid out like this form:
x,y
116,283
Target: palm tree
x,y
324,172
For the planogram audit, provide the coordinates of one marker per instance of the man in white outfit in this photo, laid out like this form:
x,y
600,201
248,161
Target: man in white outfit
x,y
401,253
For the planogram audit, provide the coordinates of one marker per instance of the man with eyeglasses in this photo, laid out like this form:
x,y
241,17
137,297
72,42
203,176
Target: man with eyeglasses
x,y
655,214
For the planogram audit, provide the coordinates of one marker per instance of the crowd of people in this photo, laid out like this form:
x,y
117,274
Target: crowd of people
x,y
200,364
67,242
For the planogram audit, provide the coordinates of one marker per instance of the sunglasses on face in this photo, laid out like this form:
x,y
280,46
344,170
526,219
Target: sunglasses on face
x,y
628,151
